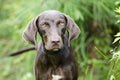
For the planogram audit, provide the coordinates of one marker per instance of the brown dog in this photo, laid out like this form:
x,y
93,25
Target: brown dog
x,y
55,59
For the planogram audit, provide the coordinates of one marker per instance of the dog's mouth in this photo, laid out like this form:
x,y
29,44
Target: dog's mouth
x,y
55,47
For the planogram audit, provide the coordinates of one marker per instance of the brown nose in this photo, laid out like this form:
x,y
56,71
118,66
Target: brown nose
x,y
55,41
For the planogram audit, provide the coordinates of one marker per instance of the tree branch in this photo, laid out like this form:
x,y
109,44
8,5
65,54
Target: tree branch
x,y
22,51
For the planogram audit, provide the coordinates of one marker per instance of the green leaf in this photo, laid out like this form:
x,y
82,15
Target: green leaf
x,y
118,34
117,10
116,39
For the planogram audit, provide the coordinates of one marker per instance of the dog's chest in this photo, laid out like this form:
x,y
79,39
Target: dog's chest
x,y
55,74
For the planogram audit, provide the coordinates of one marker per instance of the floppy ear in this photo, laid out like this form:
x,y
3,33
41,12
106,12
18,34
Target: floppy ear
x,y
30,32
72,28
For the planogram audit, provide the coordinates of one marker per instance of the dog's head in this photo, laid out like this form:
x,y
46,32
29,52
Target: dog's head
x,y
51,25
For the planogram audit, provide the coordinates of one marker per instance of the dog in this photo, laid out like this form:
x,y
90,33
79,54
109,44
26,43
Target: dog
x,y
55,59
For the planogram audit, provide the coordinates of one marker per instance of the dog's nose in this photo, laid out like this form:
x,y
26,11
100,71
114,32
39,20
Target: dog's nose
x,y
55,41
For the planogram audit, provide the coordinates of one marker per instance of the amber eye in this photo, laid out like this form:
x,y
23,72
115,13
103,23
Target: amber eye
x,y
45,25
61,23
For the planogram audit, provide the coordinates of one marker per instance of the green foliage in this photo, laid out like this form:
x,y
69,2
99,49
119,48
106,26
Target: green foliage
x,y
117,37
117,10
114,71
96,19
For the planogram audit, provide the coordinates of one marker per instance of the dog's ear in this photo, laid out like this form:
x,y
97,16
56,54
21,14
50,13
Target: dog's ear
x,y
72,28
30,32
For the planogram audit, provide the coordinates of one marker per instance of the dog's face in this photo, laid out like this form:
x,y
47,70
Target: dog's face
x,y
52,28
51,25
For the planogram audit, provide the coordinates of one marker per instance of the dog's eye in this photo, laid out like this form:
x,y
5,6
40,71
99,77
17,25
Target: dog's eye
x,y
61,23
45,25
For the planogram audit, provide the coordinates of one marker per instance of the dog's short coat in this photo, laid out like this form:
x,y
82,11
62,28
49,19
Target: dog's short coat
x,y
55,57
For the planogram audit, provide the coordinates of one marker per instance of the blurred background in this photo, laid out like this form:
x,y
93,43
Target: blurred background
x,y
94,49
